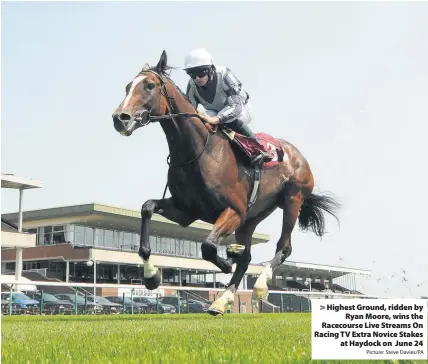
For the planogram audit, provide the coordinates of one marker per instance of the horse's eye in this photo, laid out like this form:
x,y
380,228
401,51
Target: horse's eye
x,y
150,86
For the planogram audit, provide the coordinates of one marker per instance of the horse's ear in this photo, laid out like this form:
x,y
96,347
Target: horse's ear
x,y
146,67
161,66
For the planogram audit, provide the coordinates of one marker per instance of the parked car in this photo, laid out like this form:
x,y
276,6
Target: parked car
x,y
173,301
51,304
24,304
138,307
151,302
5,307
90,306
198,306
108,306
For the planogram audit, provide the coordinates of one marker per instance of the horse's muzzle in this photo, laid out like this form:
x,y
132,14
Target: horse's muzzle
x,y
126,124
123,124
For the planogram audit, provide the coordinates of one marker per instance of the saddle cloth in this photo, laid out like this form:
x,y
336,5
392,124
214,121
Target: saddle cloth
x,y
251,147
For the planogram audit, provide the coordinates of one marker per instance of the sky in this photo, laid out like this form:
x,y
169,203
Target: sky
x,y
345,82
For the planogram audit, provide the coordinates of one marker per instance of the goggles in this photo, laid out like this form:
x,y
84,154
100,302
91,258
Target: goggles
x,y
198,72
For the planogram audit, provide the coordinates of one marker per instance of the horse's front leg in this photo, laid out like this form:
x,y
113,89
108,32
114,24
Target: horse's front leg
x,y
167,209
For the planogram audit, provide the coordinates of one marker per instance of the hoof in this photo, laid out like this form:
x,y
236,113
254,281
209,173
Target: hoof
x,y
153,282
215,312
235,251
216,308
260,294
228,267
235,248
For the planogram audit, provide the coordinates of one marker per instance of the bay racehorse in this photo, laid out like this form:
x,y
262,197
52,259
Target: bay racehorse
x,y
209,182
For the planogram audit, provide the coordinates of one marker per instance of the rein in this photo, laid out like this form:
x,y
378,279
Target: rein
x,y
153,118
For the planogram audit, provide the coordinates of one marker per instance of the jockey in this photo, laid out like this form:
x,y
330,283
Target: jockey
x,y
220,93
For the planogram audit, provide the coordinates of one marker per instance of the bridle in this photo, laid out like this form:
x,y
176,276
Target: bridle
x,y
163,92
156,118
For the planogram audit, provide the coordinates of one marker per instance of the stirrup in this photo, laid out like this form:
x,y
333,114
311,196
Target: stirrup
x,y
261,158
267,156
256,160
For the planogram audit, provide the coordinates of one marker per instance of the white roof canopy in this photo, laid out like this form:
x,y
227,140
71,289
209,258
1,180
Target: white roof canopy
x,y
19,183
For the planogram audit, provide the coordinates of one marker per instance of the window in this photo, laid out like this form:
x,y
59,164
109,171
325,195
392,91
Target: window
x,y
115,239
193,249
201,278
54,234
48,235
57,266
193,277
105,272
108,238
172,246
152,241
30,265
178,245
79,235
158,244
168,275
186,248
164,245
136,241
41,236
127,241
59,234
118,239
167,245
10,266
89,236
99,237
70,233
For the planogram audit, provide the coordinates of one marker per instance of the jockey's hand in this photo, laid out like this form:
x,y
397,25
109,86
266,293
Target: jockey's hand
x,y
213,120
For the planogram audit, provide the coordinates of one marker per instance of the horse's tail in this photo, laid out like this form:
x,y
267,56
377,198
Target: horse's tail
x,y
311,215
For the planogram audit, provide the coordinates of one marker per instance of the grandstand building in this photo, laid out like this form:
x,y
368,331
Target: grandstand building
x,y
95,243
99,243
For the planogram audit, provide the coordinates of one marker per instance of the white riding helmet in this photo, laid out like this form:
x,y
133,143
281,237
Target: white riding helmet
x,y
197,58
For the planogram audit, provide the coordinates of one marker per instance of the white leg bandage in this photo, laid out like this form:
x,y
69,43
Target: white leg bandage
x,y
149,269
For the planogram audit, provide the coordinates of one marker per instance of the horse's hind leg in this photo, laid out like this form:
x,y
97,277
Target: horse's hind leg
x,y
291,207
242,258
167,209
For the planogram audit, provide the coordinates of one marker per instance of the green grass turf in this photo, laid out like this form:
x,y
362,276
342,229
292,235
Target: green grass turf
x,y
190,338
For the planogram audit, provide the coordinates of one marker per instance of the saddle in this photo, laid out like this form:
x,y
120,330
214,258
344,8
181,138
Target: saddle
x,y
249,147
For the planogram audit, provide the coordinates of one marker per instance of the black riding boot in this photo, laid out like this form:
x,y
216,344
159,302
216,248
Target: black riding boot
x,y
243,129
